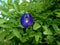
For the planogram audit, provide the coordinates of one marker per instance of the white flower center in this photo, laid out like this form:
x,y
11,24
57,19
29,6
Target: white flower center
x,y
26,20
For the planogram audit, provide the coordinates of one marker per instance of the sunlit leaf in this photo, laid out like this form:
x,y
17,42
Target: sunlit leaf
x,y
16,33
36,26
47,31
2,21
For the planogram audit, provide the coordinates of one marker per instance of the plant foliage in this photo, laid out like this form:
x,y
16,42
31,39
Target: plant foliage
x,y
44,31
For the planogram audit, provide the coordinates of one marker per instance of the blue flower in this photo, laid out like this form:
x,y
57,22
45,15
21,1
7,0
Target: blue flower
x,y
26,20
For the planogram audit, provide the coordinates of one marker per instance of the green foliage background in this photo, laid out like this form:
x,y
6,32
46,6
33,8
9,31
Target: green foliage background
x,y
44,31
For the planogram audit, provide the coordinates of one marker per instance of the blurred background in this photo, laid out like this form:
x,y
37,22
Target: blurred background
x,y
45,29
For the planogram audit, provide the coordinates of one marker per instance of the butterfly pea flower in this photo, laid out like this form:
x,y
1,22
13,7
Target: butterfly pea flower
x,y
26,20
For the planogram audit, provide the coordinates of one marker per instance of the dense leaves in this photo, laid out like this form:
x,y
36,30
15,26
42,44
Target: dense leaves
x,y
45,29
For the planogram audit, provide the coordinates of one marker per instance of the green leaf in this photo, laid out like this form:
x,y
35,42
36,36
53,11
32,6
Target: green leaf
x,y
36,26
17,33
31,34
57,11
49,39
9,1
47,31
58,42
55,27
15,7
38,36
10,36
2,21
3,34
4,12
58,14
24,39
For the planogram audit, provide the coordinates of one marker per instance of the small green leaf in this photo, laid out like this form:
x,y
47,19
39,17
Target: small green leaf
x,y
58,14
57,11
10,36
49,39
16,33
55,27
24,39
2,21
15,7
9,1
47,30
31,34
2,35
36,26
58,42
37,38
